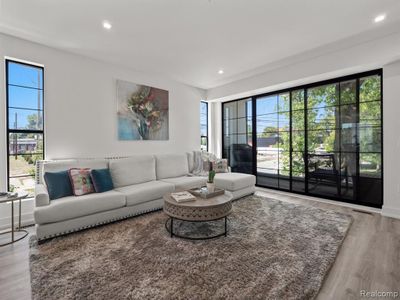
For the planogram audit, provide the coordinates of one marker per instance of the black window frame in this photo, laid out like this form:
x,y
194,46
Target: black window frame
x,y
305,87
204,136
26,131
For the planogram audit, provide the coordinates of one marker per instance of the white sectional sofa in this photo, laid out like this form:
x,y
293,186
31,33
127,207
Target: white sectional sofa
x,y
140,182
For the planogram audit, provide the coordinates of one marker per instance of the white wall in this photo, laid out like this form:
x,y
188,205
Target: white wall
x,y
314,66
339,59
391,150
80,106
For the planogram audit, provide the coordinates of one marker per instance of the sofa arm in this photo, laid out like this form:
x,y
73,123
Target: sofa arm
x,y
41,195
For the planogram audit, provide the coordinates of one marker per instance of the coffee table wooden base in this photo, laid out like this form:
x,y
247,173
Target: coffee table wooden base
x,y
199,210
169,225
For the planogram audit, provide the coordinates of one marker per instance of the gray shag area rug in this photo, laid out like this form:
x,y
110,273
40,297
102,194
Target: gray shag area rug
x,y
274,250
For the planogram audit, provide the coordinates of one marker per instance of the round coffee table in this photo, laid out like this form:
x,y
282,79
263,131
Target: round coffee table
x,y
13,230
200,210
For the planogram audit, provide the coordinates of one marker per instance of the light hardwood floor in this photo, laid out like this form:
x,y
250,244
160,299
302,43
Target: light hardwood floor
x,y
369,258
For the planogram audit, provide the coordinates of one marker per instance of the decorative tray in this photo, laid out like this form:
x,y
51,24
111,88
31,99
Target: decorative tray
x,y
203,192
8,194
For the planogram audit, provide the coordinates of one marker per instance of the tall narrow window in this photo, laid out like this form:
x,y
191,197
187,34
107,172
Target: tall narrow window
x,y
25,135
237,134
204,126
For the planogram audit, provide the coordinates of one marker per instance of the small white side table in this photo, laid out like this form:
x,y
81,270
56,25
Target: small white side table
x,y
13,230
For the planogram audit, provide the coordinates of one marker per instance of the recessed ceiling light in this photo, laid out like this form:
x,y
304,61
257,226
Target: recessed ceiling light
x,y
107,25
221,71
379,18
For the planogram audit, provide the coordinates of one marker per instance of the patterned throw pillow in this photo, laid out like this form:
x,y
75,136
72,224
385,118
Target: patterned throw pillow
x,y
206,165
81,181
220,166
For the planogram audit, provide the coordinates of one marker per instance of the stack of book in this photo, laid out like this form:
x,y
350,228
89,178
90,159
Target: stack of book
x,y
183,197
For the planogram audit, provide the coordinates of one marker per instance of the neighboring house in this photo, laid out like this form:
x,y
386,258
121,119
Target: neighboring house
x,y
22,146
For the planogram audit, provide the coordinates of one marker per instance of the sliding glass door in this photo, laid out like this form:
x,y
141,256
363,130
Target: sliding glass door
x,y
323,139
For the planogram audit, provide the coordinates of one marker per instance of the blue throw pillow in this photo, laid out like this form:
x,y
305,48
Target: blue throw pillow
x,y
58,184
102,181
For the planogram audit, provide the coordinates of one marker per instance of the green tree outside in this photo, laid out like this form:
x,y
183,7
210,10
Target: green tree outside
x,y
331,111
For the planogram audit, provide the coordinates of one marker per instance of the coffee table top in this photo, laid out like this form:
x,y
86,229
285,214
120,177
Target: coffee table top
x,y
199,210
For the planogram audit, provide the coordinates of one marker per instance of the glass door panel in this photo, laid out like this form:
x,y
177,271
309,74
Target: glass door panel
x,y
349,139
238,133
370,186
323,174
348,175
297,139
323,142
298,172
267,124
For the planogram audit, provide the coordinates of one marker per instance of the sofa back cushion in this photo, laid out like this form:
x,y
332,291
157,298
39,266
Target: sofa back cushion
x,y
171,165
132,170
66,164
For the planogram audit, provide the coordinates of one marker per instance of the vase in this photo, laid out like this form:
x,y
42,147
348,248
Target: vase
x,y
211,187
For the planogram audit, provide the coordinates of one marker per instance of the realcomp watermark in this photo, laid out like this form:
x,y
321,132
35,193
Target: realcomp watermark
x,y
380,294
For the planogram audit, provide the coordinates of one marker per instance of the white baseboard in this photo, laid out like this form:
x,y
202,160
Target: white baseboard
x,y
26,220
391,212
26,214
312,198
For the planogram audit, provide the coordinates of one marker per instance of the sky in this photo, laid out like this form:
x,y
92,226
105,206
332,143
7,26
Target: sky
x,y
25,85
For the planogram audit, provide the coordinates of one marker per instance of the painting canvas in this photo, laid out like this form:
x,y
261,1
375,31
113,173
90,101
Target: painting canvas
x,y
142,112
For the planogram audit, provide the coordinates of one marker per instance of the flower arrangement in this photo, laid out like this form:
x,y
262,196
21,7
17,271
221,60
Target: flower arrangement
x,y
146,112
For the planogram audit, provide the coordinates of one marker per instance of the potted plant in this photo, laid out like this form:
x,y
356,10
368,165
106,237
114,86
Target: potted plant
x,y
210,182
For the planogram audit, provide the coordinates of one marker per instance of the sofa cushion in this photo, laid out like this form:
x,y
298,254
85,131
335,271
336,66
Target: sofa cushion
x,y
102,180
143,192
66,164
171,165
58,184
234,181
187,182
74,207
133,170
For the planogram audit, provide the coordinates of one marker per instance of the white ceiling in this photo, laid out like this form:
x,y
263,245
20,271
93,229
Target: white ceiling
x,y
190,40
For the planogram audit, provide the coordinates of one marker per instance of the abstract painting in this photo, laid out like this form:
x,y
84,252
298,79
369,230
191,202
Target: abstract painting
x,y
142,112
